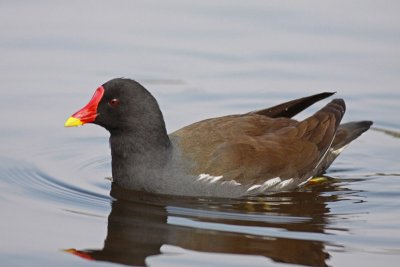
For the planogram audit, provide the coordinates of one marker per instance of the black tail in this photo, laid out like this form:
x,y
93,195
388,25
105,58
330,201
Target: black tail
x,y
346,133
349,131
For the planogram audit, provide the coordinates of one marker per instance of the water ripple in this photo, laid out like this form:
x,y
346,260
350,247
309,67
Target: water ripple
x,y
42,186
236,216
95,163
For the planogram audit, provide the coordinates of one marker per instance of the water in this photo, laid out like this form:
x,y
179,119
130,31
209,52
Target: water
x,y
200,60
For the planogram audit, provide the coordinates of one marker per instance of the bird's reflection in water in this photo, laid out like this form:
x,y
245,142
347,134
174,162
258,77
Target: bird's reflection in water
x,y
140,223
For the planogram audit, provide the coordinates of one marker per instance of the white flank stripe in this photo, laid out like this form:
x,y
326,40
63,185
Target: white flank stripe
x,y
214,179
202,176
253,187
206,178
305,182
231,182
270,183
285,183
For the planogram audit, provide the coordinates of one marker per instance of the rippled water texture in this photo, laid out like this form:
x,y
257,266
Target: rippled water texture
x,y
200,60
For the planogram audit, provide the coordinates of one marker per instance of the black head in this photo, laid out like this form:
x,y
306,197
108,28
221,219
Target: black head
x,y
127,106
139,142
122,106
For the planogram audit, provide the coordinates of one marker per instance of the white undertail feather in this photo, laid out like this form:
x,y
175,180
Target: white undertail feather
x,y
339,150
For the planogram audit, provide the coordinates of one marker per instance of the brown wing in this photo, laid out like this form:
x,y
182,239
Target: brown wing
x,y
252,148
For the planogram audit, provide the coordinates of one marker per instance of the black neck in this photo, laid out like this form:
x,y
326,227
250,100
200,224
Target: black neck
x,y
139,153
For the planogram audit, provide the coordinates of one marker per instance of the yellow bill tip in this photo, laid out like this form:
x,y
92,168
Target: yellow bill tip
x,y
70,250
73,122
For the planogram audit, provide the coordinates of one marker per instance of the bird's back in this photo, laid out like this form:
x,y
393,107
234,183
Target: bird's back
x,y
251,148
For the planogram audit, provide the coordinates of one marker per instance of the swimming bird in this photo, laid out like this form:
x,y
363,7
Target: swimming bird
x,y
231,156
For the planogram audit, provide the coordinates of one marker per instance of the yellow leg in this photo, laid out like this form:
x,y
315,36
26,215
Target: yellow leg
x,y
317,181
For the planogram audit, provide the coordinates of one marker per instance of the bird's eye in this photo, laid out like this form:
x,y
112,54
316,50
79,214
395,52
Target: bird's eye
x,y
114,102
